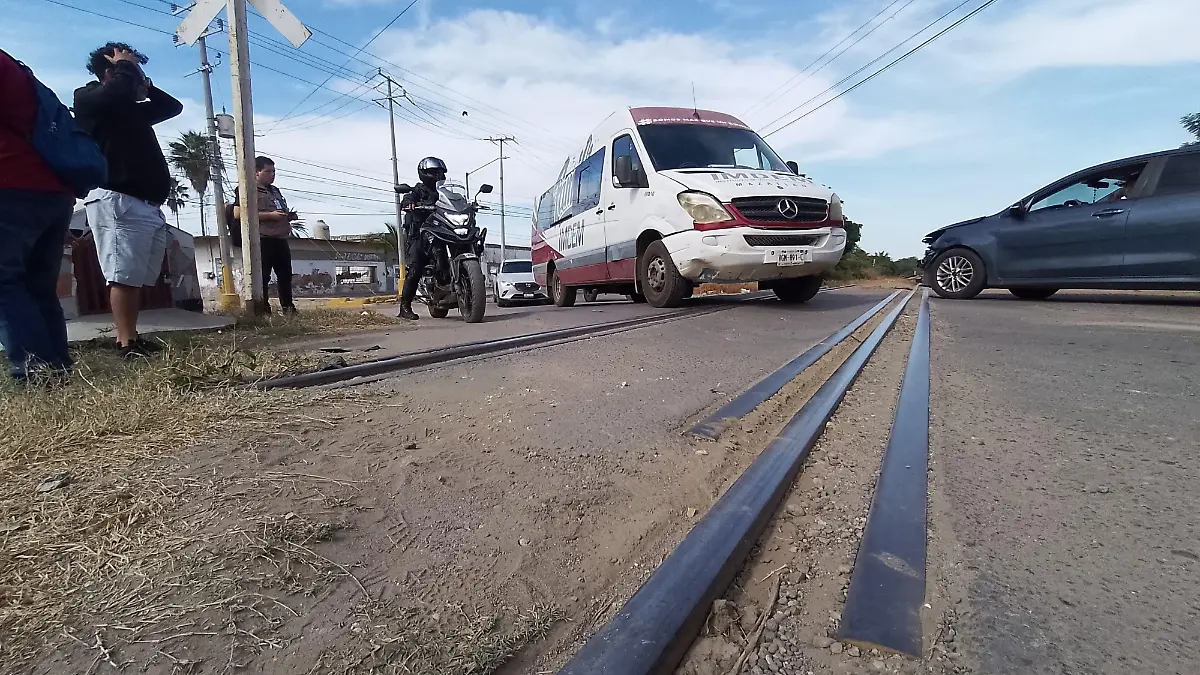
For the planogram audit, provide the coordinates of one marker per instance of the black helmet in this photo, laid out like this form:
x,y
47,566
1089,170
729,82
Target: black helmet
x,y
431,170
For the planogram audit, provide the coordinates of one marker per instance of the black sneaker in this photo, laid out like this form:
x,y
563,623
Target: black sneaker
x,y
133,351
149,345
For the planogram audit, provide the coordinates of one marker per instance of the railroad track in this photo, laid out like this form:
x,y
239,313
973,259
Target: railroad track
x,y
654,629
368,371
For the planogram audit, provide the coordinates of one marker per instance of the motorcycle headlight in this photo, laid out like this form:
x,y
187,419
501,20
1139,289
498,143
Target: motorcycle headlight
x,y
703,207
460,231
459,219
835,208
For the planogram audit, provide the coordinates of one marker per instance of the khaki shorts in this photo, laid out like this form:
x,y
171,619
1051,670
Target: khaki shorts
x,y
131,237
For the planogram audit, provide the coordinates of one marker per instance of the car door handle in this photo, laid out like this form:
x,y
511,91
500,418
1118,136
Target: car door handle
x,y
611,207
1108,213
599,212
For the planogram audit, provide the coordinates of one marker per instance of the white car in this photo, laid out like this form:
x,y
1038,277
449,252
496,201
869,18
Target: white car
x,y
515,283
660,200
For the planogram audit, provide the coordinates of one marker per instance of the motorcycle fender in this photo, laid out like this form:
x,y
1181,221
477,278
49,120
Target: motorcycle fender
x,y
454,267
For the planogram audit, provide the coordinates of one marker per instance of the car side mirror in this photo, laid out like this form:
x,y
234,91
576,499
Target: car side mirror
x,y
403,188
1017,211
624,173
485,189
793,167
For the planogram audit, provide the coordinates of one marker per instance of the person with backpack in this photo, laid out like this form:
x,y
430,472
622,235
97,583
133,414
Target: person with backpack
x,y
45,162
119,109
274,228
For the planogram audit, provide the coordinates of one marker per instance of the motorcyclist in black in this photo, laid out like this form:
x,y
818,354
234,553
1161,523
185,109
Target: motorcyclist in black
x,y
430,171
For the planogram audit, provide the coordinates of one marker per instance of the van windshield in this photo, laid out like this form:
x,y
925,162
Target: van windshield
x,y
699,146
517,267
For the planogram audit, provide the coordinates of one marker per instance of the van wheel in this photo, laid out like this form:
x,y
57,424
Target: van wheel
x,y
563,295
958,274
659,279
796,291
591,295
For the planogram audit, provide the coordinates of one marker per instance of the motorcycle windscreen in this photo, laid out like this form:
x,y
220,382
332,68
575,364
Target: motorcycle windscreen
x,y
452,196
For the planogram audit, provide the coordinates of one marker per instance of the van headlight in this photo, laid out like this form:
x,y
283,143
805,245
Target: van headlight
x,y
703,208
835,208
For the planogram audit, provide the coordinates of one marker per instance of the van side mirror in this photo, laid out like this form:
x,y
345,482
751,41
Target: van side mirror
x,y
485,189
403,189
1017,211
624,173
793,167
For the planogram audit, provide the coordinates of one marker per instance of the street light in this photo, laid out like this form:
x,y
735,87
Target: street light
x,y
468,186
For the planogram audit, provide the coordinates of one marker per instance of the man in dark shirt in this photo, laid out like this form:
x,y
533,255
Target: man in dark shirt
x,y
35,213
274,228
125,214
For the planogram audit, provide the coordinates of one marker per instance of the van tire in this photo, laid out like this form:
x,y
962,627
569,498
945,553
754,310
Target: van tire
x,y
658,278
563,295
797,291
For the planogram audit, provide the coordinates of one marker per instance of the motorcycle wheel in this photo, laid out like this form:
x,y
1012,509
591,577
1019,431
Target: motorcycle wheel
x,y
472,292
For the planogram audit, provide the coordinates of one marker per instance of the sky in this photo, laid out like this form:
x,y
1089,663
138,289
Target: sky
x,y
1022,93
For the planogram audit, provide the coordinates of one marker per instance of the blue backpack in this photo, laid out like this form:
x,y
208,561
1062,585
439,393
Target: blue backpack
x,y
69,151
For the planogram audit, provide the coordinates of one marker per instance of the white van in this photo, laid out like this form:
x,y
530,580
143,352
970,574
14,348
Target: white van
x,y
662,199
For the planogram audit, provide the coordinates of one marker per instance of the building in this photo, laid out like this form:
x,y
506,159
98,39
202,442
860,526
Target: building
x,y
321,266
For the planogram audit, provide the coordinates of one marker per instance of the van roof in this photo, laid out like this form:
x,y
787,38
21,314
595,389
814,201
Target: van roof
x,y
664,115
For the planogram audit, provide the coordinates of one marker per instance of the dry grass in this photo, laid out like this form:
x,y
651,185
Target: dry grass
x,y
111,546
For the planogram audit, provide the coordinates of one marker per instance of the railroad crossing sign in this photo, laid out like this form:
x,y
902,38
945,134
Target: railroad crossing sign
x,y
204,11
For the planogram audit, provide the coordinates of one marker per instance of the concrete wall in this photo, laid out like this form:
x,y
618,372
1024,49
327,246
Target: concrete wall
x,y
310,278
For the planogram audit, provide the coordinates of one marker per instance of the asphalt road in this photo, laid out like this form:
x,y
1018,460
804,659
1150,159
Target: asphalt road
x,y
1066,457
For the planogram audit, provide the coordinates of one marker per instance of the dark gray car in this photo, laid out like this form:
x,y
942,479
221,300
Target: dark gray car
x,y
1129,224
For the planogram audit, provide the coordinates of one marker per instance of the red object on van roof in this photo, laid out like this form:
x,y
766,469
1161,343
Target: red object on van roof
x,y
685,116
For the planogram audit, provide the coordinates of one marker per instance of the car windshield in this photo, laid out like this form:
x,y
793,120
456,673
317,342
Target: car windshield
x,y
452,196
700,146
518,267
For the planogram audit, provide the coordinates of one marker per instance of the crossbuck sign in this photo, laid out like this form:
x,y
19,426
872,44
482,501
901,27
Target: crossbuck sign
x,y
204,11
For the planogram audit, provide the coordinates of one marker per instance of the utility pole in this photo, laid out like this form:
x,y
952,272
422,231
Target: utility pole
x,y
503,239
400,235
201,13
243,130
229,297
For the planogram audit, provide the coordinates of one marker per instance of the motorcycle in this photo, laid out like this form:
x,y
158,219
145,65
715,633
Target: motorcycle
x,y
454,276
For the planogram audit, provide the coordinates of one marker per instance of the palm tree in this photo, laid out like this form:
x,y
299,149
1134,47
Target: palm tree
x,y
299,229
176,199
384,241
1192,124
194,157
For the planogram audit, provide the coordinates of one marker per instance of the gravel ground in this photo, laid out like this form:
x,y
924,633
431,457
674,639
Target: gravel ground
x,y
441,500
1067,438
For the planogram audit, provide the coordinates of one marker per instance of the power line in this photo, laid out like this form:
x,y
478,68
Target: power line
x,y
356,53
793,83
105,16
884,69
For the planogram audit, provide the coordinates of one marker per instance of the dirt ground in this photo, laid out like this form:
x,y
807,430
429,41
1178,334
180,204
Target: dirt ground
x,y
438,522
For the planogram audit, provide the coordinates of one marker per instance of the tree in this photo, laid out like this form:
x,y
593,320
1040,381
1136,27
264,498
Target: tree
x,y
384,241
177,198
194,157
1192,124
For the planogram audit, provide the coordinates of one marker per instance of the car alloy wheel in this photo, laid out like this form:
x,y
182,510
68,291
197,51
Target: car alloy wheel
x,y
955,273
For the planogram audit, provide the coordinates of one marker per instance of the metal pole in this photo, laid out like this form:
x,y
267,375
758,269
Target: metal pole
x,y
229,297
395,184
503,238
243,118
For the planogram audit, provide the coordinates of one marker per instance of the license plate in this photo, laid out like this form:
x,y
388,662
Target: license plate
x,y
790,256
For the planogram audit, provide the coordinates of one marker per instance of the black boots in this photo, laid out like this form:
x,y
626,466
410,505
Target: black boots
x,y
411,281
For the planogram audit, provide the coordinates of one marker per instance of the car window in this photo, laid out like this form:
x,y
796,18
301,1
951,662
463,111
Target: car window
x,y
1180,175
518,267
1110,185
624,147
589,175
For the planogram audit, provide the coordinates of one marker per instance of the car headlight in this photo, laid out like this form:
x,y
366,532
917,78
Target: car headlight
x,y
835,208
703,207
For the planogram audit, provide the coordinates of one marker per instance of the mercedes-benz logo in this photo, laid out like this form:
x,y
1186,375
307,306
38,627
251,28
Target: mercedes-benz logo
x,y
788,208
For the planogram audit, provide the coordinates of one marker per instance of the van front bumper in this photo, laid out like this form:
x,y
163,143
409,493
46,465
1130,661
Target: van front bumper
x,y
741,254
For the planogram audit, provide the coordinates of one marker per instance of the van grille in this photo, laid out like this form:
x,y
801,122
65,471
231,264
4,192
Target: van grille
x,y
782,209
782,239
